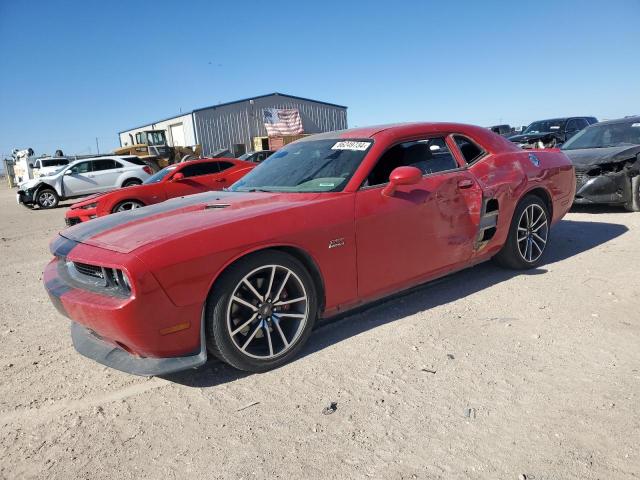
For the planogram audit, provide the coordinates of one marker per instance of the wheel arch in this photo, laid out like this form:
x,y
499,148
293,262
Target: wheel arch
x,y
45,186
118,202
544,195
295,251
128,179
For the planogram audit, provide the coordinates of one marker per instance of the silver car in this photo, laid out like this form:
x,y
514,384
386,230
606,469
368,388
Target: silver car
x,y
83,177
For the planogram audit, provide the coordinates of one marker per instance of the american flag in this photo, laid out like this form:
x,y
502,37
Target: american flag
x,y
282,121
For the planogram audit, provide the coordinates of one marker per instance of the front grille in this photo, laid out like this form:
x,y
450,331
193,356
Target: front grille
x,y
89,270
581,177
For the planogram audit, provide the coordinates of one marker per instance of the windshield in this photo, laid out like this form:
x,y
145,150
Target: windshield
x,y
158,176
606,135
245,156
307,166
544,126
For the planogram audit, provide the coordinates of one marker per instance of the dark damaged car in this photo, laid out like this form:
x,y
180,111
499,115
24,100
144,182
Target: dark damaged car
x,y
606,157
552,132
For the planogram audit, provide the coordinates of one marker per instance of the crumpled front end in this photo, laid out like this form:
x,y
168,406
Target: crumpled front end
x,y
121,316
607,183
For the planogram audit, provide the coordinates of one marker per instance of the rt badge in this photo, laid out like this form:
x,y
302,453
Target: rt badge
x,y
533,159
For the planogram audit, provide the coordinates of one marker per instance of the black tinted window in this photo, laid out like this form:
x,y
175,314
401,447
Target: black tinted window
x,y
197,169
430,156
106,164
470,151
581,123
135,161
224,165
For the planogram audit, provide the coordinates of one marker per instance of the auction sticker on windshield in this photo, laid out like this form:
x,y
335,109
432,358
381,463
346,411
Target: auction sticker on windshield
x,y
361,146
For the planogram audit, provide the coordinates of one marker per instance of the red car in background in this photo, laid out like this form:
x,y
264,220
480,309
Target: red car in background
x,y
325,224
176,180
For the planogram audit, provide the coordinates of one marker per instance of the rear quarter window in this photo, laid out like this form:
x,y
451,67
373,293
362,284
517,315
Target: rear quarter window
x,y
471,151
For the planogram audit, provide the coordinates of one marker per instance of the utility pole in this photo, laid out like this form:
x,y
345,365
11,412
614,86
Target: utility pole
x,y
97,146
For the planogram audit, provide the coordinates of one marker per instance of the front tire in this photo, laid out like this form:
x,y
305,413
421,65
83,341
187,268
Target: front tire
x,y
528,235
47,198
127,205
633,205
261,311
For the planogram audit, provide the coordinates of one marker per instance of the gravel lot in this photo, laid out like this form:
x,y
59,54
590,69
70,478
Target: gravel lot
x,y
486,374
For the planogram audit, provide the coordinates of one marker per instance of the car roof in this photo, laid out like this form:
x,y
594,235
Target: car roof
x,y
397,131
632,119
206,159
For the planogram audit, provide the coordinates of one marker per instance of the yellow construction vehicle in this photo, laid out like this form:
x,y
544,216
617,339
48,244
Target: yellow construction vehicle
x,y
152,145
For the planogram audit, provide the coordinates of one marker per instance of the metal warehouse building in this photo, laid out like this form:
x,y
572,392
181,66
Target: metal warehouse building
x,y
238,126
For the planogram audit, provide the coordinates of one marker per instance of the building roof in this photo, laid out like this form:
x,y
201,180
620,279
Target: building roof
x,y
232,103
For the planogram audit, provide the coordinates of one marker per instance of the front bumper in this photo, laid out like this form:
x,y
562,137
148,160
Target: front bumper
x,y
137,333
79,215
607,188
88,344
25,197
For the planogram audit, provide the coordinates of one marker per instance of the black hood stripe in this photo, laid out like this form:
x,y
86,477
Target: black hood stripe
x,y
86,230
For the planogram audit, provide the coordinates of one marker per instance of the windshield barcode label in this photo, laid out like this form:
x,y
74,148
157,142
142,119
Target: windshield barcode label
x,y
351,146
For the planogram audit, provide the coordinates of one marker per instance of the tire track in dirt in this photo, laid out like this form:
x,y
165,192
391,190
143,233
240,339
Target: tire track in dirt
x,y
43,414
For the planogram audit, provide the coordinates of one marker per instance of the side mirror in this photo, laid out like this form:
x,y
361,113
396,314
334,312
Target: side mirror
x,y
177,176
401,176
68,172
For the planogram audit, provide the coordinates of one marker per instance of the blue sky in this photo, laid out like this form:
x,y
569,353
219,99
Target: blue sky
x,y
76,70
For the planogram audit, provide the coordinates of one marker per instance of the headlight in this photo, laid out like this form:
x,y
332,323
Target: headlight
x,y
100,279
91,205
119,279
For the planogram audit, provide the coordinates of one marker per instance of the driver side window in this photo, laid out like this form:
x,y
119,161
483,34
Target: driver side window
x,y
431,155
83,167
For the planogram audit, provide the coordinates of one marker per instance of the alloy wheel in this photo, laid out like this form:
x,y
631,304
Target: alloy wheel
x,y
127,206
267,312
47,199
533,233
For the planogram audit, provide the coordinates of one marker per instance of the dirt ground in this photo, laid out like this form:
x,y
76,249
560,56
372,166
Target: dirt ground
x,y
486,374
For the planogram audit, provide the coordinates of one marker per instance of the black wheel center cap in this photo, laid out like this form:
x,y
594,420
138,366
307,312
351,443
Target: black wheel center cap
x,y
266,309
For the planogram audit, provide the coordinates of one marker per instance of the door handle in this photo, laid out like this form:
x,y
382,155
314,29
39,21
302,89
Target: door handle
x,y
466,183
220,180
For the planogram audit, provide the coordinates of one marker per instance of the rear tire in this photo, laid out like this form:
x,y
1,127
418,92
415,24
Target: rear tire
x,y
633,205
131,183
528,235
247,324
47,198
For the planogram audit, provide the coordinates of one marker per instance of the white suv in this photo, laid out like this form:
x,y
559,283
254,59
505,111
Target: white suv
x,y
83,177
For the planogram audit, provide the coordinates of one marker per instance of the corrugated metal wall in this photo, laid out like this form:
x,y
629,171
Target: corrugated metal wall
x,y
221,127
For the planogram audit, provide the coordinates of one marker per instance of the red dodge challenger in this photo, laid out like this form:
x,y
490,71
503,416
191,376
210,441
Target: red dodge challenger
x,y
325,224
177,180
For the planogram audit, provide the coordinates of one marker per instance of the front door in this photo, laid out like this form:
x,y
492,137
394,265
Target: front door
x,y
78,180
198,177
422,230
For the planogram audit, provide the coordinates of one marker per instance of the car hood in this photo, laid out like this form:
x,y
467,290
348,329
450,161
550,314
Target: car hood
x,y
134,190
523,138
36,181
127,231
586,157
89,199
30,183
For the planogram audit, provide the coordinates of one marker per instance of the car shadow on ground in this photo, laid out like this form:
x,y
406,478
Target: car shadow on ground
x,y
598,209
568,239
